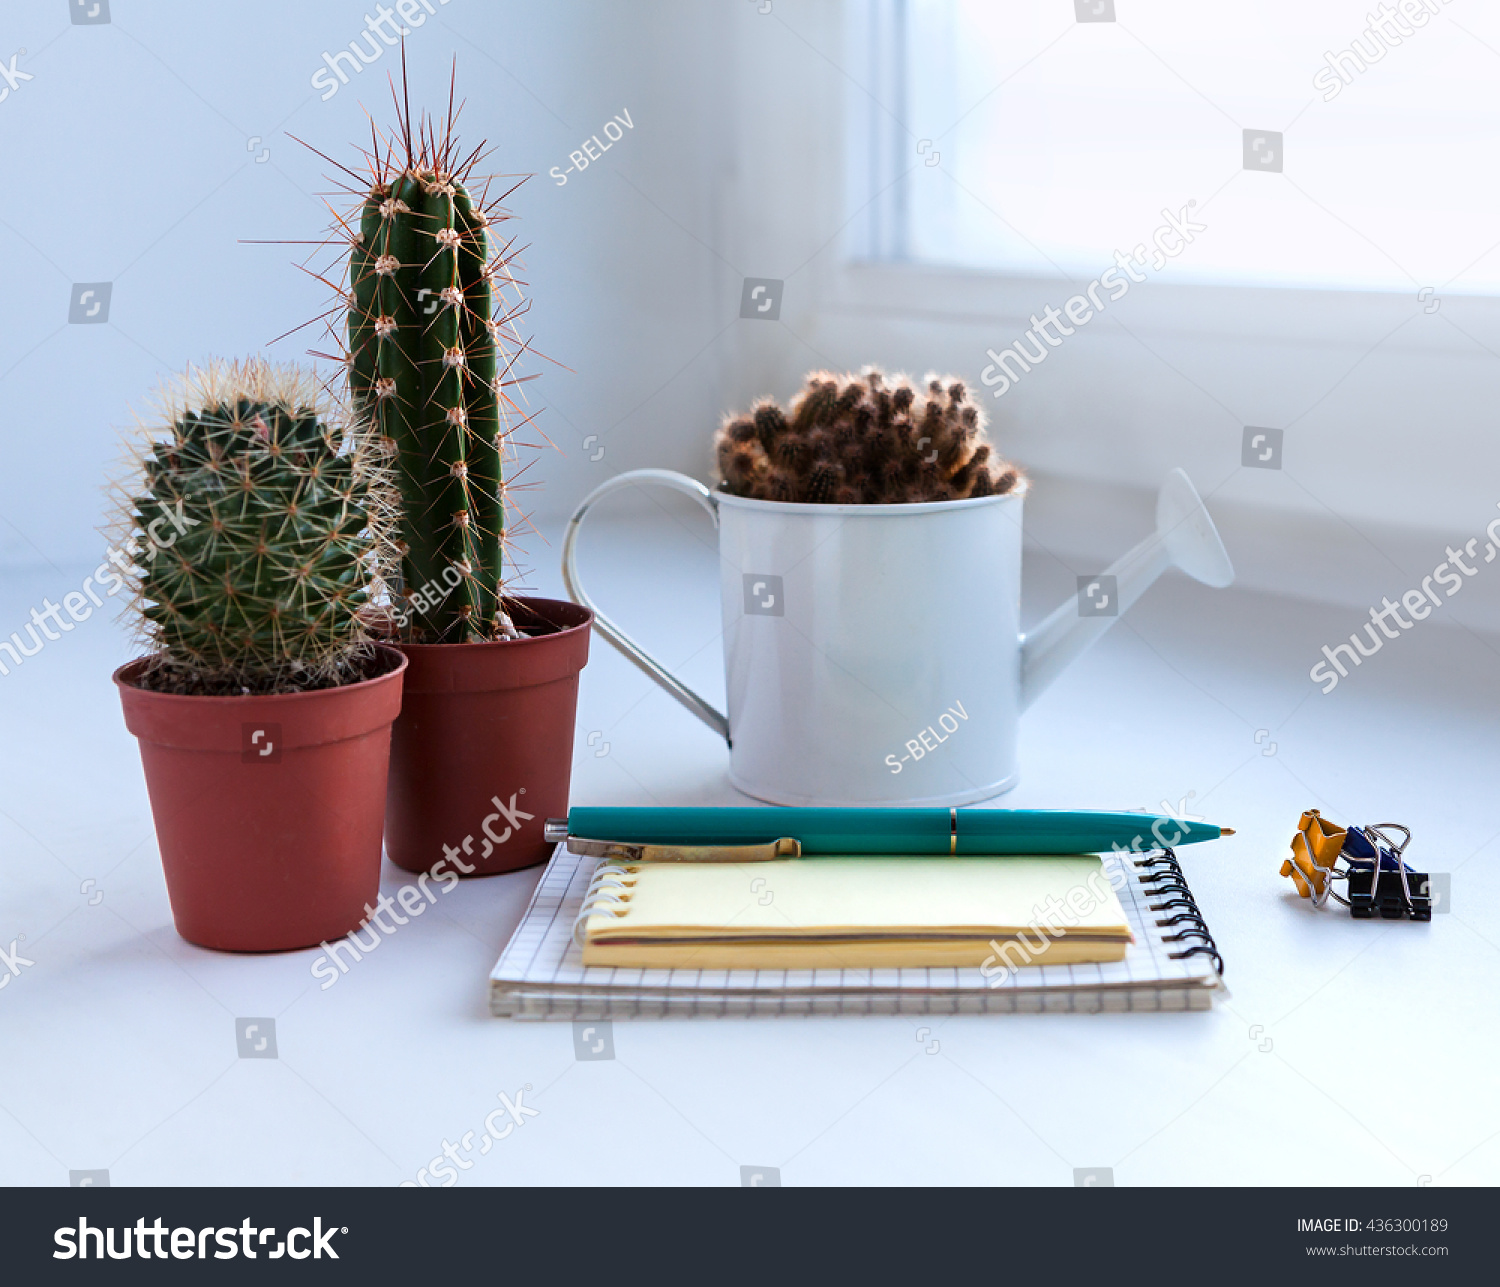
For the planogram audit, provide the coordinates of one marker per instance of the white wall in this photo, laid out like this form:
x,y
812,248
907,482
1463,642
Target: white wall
x,y
127,160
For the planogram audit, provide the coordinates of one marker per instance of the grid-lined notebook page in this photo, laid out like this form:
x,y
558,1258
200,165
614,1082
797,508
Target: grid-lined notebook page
x,y
541,973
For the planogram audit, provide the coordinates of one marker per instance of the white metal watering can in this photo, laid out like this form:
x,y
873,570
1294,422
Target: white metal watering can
x,y
873,653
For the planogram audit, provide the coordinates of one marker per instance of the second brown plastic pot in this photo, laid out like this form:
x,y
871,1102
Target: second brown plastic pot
x,y
482,754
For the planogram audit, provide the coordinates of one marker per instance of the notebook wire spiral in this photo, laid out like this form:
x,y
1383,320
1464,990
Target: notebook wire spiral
x,y
1164,880
597,897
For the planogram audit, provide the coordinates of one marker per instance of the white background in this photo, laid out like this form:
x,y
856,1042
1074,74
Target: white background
x,y
127,159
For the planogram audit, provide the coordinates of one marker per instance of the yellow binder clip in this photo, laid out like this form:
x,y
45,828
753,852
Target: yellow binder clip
x,y
1315,850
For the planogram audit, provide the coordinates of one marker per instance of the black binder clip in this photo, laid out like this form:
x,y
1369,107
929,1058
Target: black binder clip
x,y
1379,883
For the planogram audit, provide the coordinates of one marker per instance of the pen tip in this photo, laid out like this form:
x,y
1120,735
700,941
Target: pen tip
x,y
1226,831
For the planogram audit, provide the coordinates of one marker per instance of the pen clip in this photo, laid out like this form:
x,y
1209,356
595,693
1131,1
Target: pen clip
x,y
631,852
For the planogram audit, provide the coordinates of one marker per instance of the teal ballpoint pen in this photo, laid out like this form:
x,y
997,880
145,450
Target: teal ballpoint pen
x,y
829,832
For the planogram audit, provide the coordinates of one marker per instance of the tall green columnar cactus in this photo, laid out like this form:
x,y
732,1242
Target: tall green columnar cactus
x,y
427,375
251,537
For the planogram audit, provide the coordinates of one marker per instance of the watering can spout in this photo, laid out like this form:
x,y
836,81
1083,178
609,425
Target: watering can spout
x,y
1185,537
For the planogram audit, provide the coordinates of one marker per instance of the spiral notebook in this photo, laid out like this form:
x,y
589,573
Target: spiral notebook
x,y
1173,964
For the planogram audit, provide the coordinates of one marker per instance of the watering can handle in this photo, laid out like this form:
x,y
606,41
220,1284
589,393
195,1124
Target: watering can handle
x,y
688,487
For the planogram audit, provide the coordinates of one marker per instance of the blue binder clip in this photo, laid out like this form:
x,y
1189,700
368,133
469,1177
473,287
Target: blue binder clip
x,y
1378,881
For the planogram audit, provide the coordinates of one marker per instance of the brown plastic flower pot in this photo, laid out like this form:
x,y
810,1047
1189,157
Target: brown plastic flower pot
x,y
483,752
269,809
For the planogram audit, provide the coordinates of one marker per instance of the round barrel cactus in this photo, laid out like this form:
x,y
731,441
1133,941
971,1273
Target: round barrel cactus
x,y
251,536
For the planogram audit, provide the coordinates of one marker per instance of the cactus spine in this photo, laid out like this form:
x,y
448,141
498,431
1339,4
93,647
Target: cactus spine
x,y
427,376
251,535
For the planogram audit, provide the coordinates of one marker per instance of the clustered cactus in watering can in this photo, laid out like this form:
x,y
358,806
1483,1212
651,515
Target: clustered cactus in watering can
x,y
870,581
864,439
